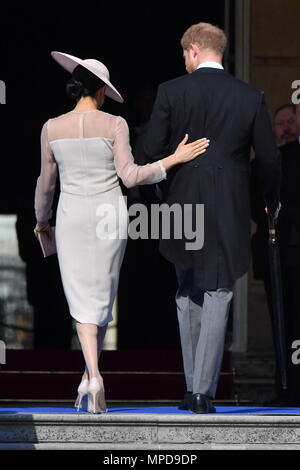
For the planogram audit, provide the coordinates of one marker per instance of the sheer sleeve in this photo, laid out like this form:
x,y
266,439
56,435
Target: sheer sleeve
x,y
130,173
45,185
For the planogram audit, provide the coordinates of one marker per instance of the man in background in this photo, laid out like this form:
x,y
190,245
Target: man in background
x,y
286,129
285,124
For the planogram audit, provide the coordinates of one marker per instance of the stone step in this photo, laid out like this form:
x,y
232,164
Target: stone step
x,y
148,431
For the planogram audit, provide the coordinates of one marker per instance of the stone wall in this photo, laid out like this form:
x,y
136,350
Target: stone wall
x,y
275,48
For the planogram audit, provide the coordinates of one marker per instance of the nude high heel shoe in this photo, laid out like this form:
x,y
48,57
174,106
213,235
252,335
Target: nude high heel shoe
x,y
96,402
82,398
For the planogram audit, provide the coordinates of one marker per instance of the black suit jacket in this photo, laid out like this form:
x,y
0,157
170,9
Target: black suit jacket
x,y
211,103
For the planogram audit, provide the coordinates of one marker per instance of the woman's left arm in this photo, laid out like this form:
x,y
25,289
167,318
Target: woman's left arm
x,y
45,186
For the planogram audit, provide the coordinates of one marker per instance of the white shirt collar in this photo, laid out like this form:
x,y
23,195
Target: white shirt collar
x,y
211,64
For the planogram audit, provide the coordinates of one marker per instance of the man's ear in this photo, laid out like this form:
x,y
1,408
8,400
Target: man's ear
x,y
195,49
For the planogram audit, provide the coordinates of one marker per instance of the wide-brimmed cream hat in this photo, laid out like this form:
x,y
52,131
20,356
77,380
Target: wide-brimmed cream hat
x,y
69,62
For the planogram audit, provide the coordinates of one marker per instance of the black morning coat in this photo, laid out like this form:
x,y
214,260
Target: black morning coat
x,y
232,114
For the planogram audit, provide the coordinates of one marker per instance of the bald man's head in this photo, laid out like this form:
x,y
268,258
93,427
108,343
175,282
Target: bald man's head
x,y
286,126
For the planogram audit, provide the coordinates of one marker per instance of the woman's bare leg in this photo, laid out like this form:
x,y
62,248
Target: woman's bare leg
x,y
86,334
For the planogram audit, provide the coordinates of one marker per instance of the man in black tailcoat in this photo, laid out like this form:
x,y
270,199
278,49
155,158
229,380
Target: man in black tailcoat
x,y
209,102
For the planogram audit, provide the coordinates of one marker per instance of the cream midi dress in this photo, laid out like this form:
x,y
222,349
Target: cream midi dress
x,y
91,150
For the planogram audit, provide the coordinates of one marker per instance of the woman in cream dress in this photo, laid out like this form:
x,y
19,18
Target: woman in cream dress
x,y
91,150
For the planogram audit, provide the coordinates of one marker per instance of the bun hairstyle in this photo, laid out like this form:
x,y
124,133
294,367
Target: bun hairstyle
x,y
83,83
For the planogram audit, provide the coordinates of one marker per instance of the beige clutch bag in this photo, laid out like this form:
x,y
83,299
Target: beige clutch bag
x,y
47,241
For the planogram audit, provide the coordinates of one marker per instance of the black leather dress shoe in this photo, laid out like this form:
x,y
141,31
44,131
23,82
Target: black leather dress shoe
x,y
202,404
187,401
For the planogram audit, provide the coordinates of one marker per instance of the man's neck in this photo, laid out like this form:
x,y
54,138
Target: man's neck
x,y
210,64
210,58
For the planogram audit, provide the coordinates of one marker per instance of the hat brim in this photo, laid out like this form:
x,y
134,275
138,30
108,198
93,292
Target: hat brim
x,y
69,62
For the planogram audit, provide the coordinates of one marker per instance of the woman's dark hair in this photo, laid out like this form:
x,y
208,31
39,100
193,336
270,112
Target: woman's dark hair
x,y
83,83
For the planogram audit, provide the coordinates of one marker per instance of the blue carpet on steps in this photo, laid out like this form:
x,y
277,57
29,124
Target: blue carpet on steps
x,y
236,410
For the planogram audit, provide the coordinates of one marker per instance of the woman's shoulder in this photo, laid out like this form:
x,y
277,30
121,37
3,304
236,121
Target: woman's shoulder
x,y
55,118
113,121
114,118
99,121
98,114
